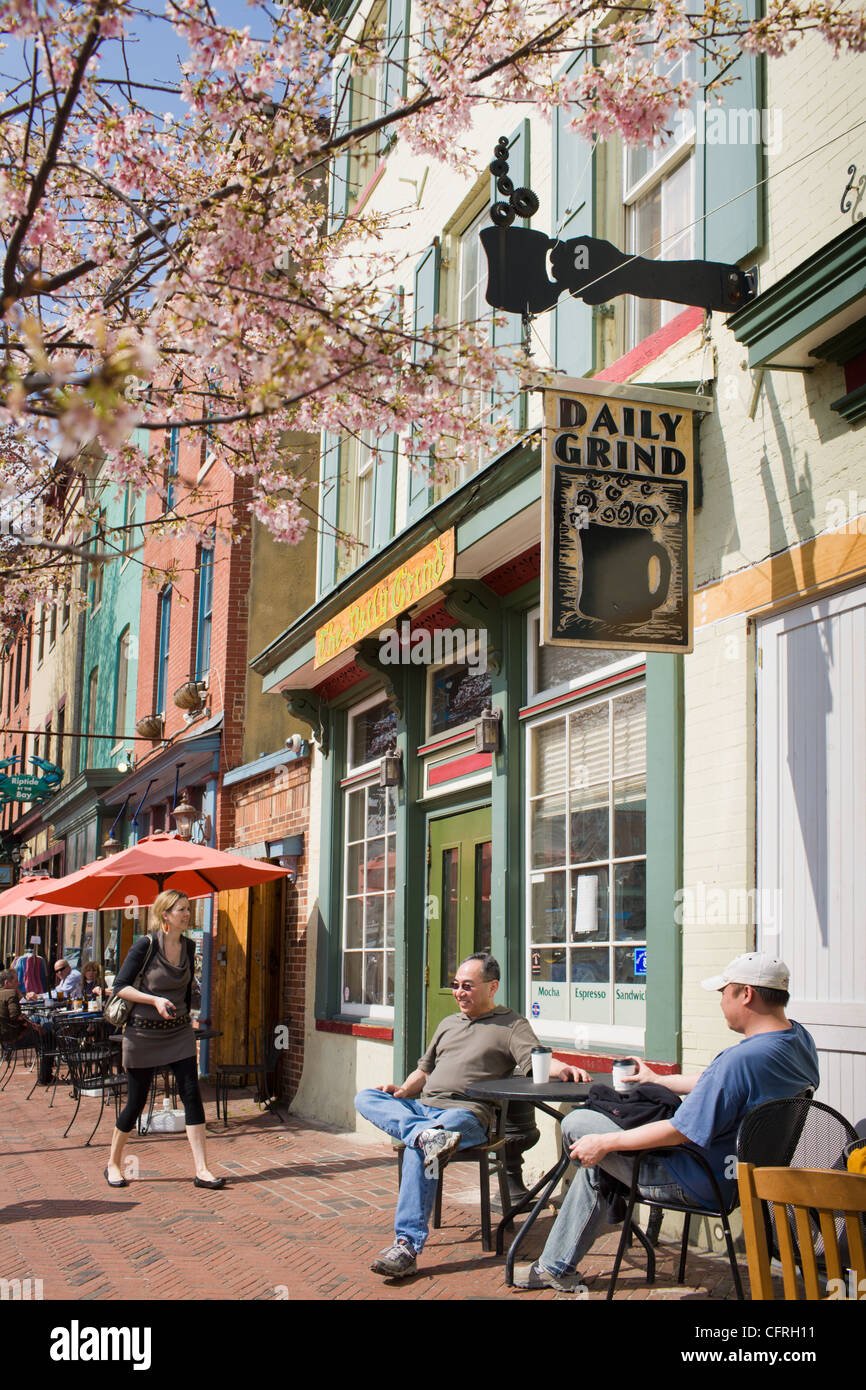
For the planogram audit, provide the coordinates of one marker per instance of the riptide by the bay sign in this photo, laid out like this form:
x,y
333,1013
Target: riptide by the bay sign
x,y
617,515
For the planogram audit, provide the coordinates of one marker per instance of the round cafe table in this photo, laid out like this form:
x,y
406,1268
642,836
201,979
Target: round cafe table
x,y
543,1096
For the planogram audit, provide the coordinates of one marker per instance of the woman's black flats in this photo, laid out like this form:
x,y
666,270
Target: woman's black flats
x,y
206,1182
123,1182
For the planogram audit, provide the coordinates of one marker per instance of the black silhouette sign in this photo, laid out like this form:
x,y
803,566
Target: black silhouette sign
x,y
527,271
617,517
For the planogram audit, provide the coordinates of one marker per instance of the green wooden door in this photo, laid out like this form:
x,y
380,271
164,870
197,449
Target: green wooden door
x,y
459,908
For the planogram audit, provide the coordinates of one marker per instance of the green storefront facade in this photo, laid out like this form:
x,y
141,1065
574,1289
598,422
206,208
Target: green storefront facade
x,y
471,848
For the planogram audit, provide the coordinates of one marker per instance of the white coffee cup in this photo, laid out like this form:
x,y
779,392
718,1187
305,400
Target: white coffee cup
x,y
541,1065
623,1071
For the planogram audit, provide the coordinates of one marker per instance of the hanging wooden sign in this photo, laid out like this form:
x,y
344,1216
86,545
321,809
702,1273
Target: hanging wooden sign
x,y
617,516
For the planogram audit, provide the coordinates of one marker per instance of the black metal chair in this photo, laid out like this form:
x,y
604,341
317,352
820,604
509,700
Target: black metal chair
x,y
721,1210
495,1151
260,1067
10,1050
795,1133
767,1137
48,1059
91,1071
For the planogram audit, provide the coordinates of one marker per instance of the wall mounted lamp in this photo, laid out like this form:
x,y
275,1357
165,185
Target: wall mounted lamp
x,y
188,820
391,769
488,731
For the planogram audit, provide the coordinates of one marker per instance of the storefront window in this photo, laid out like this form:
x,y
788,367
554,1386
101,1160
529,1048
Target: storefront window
x,y
368,891
458,695
586,852
372,732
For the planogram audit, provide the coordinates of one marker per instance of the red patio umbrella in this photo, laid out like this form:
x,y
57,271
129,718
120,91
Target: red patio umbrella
x,y
17,902
137,875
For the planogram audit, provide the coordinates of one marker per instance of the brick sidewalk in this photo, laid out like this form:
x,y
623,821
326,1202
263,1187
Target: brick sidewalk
x,y
307,1208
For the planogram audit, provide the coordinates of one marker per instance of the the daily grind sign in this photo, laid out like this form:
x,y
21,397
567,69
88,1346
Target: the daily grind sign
x,y
617,513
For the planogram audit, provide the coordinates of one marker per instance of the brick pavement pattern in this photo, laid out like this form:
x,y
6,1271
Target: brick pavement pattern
x,y
306,1210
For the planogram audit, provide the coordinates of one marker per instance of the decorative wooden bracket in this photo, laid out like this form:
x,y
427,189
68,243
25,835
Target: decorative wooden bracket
x,y
368,657
311,710
473,605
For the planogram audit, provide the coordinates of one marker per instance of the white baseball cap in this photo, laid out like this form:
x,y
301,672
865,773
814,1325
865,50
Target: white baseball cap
x,y
752,969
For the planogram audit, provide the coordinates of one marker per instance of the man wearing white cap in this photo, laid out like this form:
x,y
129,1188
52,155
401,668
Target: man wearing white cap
x,y
776,1059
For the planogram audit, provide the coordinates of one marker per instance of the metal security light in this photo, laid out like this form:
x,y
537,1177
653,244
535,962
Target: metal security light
x,y
290,862
488,731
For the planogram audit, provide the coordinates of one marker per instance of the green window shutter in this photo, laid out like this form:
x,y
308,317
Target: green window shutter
x,y
386,470
574,215
425,307
329,494
397,53
340,162
731,167
510,402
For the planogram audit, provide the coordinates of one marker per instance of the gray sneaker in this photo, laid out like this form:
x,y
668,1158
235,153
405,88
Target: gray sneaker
x,y
528,1276
396,1262
437,1146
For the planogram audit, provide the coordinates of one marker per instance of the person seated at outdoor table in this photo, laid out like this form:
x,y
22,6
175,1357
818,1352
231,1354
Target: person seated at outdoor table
x,y
158,1032
92,981
15,1029
776,1059
482,1042
67,981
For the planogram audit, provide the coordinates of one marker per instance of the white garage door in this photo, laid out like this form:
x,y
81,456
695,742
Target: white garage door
x,y
812,827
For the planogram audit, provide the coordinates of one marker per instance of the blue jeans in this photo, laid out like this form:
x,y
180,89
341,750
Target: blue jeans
x,y
404,1120
582,1214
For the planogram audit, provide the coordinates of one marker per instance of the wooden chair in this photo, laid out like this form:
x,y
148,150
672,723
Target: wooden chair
x,y
821,1203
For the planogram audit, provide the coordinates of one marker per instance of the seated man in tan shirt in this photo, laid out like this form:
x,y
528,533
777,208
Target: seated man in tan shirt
x,y
482,1042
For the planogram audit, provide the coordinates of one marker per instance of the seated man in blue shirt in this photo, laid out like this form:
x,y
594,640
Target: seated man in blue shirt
x,y
775,1060
67,981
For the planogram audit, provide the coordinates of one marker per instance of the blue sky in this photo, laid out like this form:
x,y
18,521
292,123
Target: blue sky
x,y
154,52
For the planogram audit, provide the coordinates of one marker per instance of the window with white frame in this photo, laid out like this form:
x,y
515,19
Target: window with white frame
x,y
355,506
368,100
466,267
369,860
586,860
458,691
659,198
473,309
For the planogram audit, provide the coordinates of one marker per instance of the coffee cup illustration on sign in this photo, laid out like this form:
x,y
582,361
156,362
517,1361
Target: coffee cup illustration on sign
x,y
625,574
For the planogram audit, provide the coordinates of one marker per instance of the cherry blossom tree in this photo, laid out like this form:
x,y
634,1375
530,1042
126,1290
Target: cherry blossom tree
x,y
167,259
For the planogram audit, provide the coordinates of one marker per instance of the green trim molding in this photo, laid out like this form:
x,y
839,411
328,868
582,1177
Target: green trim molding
x,y
825,285
294,647
851,407
664,854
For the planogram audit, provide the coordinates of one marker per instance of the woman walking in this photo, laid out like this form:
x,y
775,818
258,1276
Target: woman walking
x,y
159,1032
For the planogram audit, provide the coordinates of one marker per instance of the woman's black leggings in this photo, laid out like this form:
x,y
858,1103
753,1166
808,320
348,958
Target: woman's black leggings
x,y
138,1085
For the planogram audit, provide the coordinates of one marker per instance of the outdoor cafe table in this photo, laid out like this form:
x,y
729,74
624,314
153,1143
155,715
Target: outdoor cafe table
x,y
543,1096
